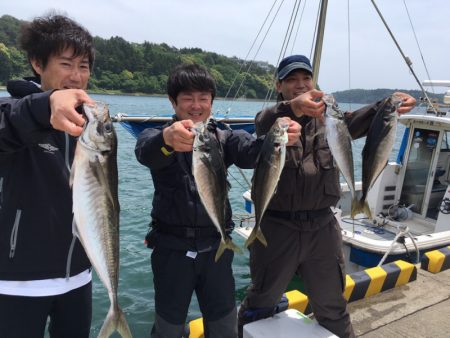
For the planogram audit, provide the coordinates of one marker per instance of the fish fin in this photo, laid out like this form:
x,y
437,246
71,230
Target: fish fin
x,y
256,234
72,175
356,208
122,325
100,174
366,209
261,237
115,320
220,250
227,244
361,207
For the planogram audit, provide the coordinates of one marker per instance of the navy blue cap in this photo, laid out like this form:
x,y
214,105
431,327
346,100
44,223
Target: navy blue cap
x,y
293,62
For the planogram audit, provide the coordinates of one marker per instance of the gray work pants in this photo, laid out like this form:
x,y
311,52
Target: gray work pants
x,y
315,255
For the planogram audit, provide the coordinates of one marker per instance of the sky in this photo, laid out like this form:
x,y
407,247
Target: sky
x,y
366,58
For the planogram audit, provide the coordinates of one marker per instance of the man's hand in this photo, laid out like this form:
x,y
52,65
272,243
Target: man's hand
x,y
293,131
408,102
308,104
63,115
179,136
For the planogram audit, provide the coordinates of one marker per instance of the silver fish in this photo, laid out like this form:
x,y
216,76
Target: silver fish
x,y
379,142
96,206
210,174
340,142
269,166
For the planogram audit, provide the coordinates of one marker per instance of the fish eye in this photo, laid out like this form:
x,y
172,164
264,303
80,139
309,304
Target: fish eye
x,y
108,127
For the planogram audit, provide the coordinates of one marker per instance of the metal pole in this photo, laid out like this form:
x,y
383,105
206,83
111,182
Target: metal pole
x,y
407,59
319,41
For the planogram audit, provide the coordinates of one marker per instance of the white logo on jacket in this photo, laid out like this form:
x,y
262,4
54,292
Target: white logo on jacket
x,y
48,147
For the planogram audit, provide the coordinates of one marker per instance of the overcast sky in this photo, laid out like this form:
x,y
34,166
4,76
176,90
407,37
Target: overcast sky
x,y
229,27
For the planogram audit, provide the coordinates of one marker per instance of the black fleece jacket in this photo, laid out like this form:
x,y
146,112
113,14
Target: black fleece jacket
x,y
35,197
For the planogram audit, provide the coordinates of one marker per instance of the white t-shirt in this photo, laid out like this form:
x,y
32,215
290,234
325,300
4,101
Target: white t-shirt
x,y
45,287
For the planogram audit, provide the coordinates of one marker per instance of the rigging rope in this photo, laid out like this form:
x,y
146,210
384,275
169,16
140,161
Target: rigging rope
x,y
267,32
251,48
298,27
284,46
349,51
289,30
407,59
418,45
315,32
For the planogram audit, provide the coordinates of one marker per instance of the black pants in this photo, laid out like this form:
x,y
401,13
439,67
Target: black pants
x,y
26,317
177,276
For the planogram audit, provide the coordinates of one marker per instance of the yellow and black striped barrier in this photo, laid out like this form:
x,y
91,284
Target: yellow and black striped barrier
x,y
359,285
436,260
371,281
291,300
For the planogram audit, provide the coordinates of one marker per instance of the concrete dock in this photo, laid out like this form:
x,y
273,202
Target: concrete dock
x,y
418,309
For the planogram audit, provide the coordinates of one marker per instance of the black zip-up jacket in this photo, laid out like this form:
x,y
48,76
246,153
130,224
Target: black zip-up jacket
x,y
176,201
35,197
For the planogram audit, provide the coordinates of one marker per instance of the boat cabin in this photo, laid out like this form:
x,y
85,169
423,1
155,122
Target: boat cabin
x,y
425,175
420,180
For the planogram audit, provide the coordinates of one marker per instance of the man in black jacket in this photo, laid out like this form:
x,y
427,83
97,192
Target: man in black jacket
x,y
44,271
184,239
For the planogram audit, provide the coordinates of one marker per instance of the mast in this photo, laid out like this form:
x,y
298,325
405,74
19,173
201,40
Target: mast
x,y
319,41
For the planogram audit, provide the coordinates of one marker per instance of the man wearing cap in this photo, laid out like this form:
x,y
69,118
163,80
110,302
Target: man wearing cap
x,y
303,236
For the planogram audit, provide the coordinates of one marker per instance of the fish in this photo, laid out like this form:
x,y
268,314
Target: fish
x,y
268,168
377,148
340,143
94,181
210,175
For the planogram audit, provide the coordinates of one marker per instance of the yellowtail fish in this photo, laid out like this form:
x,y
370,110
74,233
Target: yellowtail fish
x,y
340,143
269,166
96,206
210,174
378,147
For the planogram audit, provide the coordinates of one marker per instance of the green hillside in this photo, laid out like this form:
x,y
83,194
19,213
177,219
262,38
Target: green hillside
x,y
141,67
124,67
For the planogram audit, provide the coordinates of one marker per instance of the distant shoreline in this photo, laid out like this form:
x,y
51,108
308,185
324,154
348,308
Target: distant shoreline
x,y
118,93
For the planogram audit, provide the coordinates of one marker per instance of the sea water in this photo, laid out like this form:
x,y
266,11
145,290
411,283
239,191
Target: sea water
x,y
136,294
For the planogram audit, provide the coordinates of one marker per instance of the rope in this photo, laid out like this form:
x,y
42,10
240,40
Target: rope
x,y
403,231
248,69
315,31
407,59
249,185
418,45
298,27
285,45
291,26
250,49
349,49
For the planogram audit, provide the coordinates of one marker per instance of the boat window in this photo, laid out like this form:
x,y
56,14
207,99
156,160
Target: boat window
x,y
445,145
444,160
417,170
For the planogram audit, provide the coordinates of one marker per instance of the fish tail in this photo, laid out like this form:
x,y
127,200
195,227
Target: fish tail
x,y
250,238
115,320
227,244
357,207
367,210
256,234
